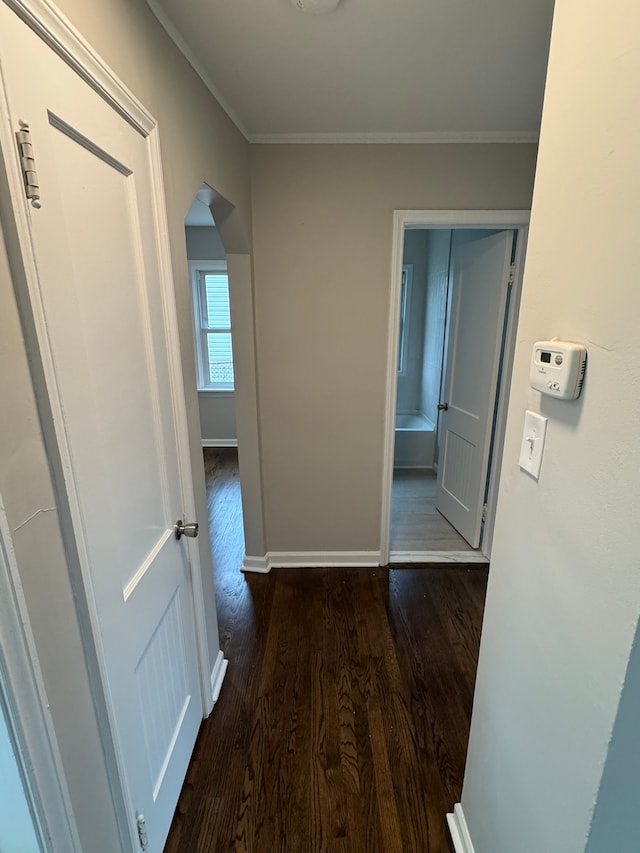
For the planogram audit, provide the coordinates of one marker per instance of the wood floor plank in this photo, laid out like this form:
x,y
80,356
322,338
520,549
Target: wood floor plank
x,y
386,795
343,721
416,524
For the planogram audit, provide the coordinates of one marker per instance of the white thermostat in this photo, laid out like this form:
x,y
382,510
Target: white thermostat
x,y
557,368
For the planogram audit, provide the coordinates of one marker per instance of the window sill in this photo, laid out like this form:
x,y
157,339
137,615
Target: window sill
x,y
216,392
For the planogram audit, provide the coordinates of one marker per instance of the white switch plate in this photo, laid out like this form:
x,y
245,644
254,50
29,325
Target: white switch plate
x,y
533,436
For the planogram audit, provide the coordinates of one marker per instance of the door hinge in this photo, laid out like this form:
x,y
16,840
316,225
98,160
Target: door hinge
x,y
142,832
28,164
512,269
484,512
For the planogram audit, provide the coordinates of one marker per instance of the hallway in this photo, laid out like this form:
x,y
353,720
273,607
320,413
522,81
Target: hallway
x,y
344,717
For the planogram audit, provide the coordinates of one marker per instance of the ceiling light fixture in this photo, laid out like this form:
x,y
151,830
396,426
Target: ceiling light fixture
x,y
315,7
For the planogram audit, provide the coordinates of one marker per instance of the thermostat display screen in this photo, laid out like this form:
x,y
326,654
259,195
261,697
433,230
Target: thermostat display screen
x,y
545,357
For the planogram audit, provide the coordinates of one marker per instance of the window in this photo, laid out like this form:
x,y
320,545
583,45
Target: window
x,y
405,299
212,316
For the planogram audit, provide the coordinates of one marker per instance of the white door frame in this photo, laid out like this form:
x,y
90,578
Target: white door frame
x,y
58,33
27,707
404,220
508,354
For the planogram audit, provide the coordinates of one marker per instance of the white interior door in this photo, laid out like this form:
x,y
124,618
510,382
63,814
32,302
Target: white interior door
x,y
481,271
104,332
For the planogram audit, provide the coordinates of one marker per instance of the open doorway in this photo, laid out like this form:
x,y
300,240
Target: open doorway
x,y
416,525
454,310
215,376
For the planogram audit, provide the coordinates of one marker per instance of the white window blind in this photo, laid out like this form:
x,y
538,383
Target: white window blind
x,y
215,355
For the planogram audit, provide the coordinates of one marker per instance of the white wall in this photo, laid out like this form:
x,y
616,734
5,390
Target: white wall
x,y
217,410
564,585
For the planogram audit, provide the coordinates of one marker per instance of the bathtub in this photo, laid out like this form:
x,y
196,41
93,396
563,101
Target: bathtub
x,y
415,441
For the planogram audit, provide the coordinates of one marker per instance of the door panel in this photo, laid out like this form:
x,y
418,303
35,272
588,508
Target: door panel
x,y
481,271
108,305
94,242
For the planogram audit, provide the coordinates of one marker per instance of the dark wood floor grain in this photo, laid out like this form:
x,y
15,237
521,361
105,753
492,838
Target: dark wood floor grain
x,y
344,716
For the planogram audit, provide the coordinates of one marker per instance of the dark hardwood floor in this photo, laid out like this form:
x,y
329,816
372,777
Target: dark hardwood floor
x,y
343,720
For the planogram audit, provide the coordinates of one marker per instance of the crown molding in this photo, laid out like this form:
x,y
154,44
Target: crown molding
x,y
185,50
426,138
334,138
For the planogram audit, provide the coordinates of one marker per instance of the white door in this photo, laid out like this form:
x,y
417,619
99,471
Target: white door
x,y
103,318
481,271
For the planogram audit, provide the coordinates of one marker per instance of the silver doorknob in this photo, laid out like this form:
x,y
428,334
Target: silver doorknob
x,y
443,407
182,529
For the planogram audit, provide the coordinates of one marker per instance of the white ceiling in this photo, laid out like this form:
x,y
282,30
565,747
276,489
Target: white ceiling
x,y
373,69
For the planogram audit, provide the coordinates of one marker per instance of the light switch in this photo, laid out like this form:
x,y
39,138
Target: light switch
x,y
535,430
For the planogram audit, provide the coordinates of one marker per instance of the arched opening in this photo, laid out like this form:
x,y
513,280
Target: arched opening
x,y
224,350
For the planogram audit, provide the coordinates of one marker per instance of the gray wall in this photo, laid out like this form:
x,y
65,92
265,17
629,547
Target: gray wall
x,y
415,253
204,244
128,37
17,831
323,217
616,815
435,319
217,409
564,587
217,417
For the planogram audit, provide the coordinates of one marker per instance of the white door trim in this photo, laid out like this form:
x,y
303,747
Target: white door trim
x,y
180,417
28,708
59,34
503,389
459,830
404,220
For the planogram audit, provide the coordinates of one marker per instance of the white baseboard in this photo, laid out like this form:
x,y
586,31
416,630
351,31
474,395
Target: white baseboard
x,y
353,559
459,830
311,560
437,557
219,442
323,559
401,467
256,564
217,675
